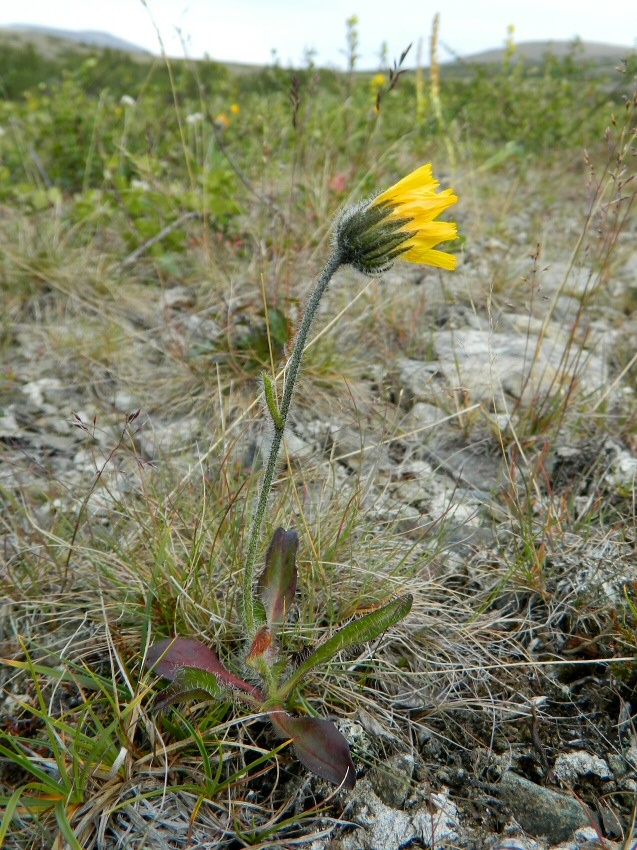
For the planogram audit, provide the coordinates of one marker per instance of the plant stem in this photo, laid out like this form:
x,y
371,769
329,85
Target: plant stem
x,y
291,375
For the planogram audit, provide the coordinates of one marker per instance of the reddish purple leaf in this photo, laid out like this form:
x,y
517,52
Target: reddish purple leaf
x,y
318,745
277,583
168,656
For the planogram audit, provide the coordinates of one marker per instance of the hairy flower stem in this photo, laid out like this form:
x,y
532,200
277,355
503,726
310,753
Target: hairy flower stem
x,y
291,375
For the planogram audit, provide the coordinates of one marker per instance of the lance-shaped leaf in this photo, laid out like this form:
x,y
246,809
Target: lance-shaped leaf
x,y
189,683
170,655
277,583
318,745
358,631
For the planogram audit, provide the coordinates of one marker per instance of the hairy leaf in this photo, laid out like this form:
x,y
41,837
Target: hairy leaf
x,y
358,631
170,655
277,583
318,745
189,683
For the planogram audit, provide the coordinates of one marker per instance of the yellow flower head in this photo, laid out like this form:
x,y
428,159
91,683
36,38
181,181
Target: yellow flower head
x,y
235,109
377,81
400,223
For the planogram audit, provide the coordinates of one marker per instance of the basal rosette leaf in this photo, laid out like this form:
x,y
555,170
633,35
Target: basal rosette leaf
x,y
364,629
171,655
189,683
318,745
277,583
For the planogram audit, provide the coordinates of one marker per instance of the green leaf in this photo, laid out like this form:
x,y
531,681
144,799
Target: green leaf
x,y
270,399
277,583
358,631
278,326
189,683
10,806
260,614
318,745
66,829
258,611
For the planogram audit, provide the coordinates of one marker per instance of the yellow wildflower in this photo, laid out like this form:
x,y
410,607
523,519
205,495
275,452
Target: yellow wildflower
x,y
377,81
400,223
235,109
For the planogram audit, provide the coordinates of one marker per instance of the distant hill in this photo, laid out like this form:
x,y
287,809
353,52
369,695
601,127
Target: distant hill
x,y
51,41
535,51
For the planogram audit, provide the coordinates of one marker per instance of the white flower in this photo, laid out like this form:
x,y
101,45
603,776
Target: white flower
x,y
127,100
194,118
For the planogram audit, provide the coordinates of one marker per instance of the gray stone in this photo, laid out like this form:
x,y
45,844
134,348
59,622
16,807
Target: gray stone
x,y
426,415
415,377
484,364
382,827
570,766
44,390
541,811
563,277
584,834
9,426
411,491
125,402
373,726
391,780
178,298
296,447
617,764
437,820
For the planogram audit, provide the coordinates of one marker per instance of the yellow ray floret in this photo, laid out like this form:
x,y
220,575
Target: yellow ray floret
x,y
415,198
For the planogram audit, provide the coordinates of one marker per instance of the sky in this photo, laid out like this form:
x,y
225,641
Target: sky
x,y
250,30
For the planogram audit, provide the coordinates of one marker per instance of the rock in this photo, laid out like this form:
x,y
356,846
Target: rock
x,y
437,820
415,377
380,826
125,402
617,764
164,437
295,447
411,491
357,450
178,298
425,415
43,390
391,780
199,328
526,366
384,828
623,470
585,834
9,426
541,811
631,754
563,277
373,726
570,766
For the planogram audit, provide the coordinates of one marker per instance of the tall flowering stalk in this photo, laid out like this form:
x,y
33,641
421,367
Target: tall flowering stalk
x,y
399,223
